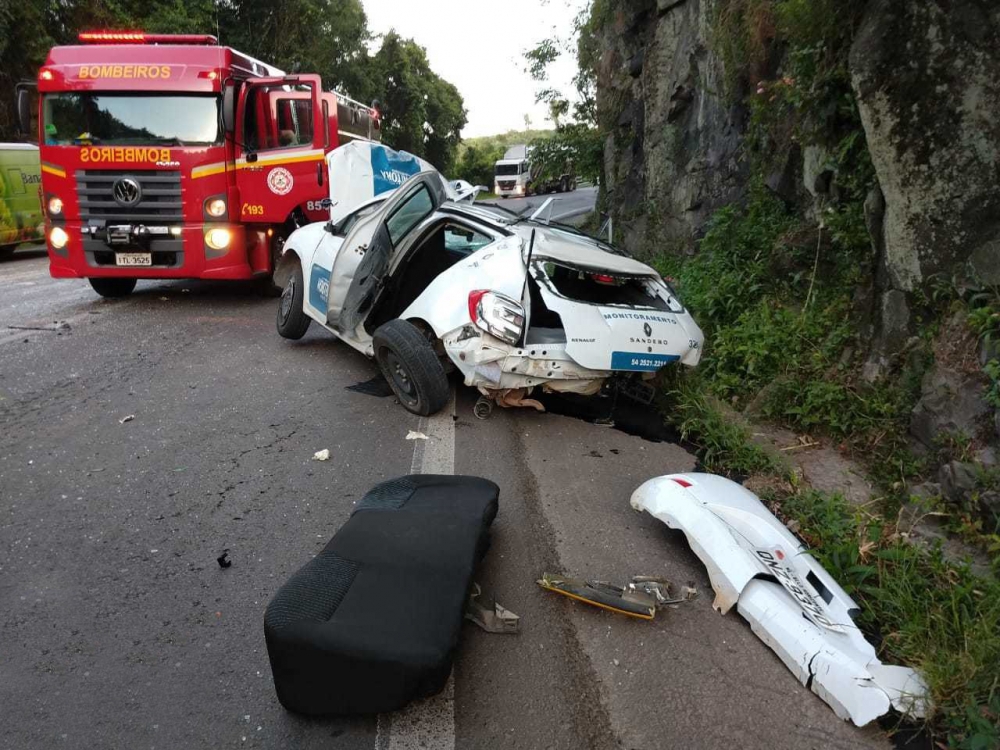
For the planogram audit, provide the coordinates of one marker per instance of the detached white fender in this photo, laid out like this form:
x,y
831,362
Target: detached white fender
x,y
790,601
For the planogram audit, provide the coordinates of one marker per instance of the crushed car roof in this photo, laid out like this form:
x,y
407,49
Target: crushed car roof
x,y
560,244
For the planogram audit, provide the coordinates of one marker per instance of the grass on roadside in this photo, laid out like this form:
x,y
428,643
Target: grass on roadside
x,y
918,608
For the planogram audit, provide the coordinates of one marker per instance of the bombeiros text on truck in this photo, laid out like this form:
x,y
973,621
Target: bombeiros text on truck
x,y
170,156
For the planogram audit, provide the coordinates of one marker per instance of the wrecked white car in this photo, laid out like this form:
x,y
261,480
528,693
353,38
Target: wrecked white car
x,y
422,283
790,601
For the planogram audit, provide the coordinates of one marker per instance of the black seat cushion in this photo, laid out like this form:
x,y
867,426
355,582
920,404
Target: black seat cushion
x,y
372,622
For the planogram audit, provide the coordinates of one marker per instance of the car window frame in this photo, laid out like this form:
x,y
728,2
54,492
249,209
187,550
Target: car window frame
x,y
395,242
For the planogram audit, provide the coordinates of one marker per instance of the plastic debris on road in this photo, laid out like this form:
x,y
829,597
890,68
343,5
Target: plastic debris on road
x,y
129,418
791,602
495,619
414,435
323,455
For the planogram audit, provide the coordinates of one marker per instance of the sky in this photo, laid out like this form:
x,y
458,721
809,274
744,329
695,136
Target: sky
x,y
478,45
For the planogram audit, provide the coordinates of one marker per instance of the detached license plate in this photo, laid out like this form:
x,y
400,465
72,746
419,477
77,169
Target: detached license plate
x,y
133,259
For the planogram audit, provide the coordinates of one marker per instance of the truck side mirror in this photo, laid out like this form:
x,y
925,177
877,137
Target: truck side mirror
x,y
229,108
24,111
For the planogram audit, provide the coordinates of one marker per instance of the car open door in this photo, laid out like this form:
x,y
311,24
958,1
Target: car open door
x,y
368,250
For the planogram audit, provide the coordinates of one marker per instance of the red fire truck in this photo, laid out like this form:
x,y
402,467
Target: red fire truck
x,y
169,156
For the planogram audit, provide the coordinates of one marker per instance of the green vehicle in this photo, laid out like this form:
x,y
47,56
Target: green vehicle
x,y
21,218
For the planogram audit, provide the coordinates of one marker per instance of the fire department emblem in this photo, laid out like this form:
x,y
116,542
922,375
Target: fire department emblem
x,y
280,181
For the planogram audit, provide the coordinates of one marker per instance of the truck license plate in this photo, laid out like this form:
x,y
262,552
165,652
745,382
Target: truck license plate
x,y
133,259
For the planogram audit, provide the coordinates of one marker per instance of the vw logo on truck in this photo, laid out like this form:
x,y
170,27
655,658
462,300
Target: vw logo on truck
x,y
127,192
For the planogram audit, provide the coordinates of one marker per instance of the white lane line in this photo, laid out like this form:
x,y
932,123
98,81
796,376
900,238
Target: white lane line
x,y
427,724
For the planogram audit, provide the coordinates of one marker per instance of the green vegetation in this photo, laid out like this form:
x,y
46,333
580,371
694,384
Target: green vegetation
x,y
329,37
775,285
477,156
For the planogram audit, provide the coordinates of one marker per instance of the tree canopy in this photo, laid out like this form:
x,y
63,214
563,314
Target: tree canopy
x,y
576,135
423,113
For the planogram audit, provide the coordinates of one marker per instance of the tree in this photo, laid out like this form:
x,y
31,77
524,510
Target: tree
x,y
578,140
328,37
421,112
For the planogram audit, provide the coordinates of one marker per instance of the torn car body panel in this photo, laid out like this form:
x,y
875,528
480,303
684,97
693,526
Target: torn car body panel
x,y
788,598
513,303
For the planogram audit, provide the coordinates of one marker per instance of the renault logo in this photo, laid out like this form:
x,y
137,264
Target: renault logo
x,y
126,191
648,329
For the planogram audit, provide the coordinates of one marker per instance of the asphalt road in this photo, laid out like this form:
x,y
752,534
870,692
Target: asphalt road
x,y
119,630
565,206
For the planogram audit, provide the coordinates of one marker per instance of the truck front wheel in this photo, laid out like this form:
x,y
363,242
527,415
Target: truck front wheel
x,y
113,288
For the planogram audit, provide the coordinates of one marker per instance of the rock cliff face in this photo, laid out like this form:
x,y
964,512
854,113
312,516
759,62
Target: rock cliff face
x,y
673,138
925,76
927,79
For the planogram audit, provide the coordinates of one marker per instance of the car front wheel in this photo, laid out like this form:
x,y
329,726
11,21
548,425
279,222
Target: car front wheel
x,y
113,288
292,319
408,361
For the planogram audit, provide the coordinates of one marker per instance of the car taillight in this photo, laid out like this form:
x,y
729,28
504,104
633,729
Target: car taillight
x,y
497,314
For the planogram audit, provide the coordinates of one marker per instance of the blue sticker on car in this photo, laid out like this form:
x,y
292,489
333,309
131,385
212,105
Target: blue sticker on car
x,y
640,362
319,287
390,169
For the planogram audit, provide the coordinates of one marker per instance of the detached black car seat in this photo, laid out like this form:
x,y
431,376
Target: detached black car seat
x,y
372,622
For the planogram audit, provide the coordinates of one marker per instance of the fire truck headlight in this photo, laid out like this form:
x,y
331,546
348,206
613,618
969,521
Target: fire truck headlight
x,y
58,238
216,208
55,206
218,239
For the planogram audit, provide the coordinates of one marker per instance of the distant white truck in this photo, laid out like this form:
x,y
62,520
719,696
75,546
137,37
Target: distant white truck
x,y
516,176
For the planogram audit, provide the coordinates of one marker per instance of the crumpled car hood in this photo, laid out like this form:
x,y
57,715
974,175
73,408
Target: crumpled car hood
x,y
790,601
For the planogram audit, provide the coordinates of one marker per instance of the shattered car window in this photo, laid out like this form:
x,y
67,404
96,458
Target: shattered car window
x,y
463,241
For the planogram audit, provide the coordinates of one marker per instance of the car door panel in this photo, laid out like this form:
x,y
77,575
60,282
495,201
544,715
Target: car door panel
x,y
369,249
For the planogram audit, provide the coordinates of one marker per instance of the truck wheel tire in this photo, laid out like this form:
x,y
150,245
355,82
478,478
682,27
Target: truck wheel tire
x,y
408,362
292,319
113,288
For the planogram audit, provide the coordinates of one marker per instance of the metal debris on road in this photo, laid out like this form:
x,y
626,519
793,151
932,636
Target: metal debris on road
x,y
323,455
125,419
640,597
57,325
414,435
495,619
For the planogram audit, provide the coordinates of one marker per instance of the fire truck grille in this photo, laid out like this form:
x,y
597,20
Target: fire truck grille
x,y
159,196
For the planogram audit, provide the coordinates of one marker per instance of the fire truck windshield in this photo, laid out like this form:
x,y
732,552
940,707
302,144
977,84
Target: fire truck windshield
x,y
84,119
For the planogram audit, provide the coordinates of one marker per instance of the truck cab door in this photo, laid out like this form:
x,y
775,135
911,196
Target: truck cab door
x,y
281,137
369,249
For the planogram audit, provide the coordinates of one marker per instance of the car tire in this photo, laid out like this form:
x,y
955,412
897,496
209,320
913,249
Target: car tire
x,y
412,368
113,288
292,319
